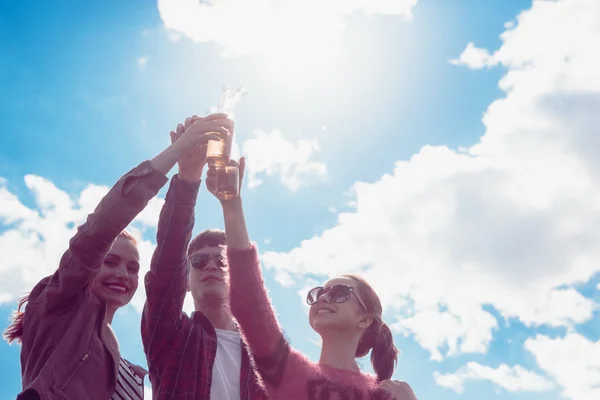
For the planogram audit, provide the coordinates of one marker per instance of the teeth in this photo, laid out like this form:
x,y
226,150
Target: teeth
x,y
117,288
323,311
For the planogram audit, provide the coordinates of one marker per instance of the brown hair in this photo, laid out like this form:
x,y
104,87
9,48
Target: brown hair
x,y
378,336
14,332
15,329
207,238
129,236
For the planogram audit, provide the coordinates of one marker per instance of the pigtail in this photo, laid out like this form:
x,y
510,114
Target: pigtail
x,y
384,355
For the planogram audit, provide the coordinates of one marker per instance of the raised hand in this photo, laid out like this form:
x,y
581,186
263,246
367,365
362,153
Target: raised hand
x,y
211,178
193,137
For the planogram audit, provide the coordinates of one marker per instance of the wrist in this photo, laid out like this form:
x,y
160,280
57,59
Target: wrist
x,y
232,205
190,175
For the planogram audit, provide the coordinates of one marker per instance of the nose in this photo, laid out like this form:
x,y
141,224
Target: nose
x,y
324,297
121,271
211,265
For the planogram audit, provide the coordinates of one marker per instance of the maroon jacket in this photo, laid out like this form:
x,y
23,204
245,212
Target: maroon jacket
x,y
68,352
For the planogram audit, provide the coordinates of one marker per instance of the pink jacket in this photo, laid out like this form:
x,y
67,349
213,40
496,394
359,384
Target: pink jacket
x,y
287,374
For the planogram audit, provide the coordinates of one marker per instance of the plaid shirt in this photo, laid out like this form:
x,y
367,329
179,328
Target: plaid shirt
x,y
181,350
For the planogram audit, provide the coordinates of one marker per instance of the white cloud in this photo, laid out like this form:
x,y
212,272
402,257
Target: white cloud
x,y
512,379
147,392
271,154
467,332
142,61
174,36
509,222
573,361
474,57
32,240
242,26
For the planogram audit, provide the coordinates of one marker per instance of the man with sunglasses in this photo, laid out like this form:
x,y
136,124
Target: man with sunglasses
x,y
200,356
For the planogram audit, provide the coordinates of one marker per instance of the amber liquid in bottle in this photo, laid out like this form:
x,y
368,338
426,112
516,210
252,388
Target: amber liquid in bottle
x,y
218,152
227,183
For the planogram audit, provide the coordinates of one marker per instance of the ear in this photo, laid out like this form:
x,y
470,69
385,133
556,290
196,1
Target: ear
x,y
365,322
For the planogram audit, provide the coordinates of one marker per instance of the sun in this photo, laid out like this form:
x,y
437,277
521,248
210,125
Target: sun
x,y
302,57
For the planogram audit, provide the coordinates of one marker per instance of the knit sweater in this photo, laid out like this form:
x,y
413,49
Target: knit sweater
x,y
287,373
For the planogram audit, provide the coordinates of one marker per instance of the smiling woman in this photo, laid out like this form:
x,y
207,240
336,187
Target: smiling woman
x,y
118,278
69,348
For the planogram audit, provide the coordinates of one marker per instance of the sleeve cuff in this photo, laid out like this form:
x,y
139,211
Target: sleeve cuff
x,y
146,175
182,192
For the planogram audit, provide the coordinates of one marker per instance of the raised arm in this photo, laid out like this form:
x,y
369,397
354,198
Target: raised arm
x,y
82,260
166,282
250,304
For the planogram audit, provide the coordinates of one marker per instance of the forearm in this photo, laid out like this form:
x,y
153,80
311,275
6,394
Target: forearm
x,y
173,235
250,303
235,225
167,158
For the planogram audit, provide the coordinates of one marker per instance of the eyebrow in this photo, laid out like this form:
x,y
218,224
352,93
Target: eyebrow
x,y
113,255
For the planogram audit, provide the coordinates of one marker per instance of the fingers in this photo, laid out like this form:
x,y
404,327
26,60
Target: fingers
x,y
241,170
180,129
226,123
187,124
242,166
215,132
387,385
173,136
399,389
213,117
222,120
211,179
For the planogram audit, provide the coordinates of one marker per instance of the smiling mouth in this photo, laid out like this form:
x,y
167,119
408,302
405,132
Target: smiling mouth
x,y
117,288
212,278
324,311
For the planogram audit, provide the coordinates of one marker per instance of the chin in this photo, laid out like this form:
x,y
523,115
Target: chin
x,y
213,287
117,301
321,325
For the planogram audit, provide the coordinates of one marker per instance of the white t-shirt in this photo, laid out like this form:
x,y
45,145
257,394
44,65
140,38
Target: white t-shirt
x,y
225,383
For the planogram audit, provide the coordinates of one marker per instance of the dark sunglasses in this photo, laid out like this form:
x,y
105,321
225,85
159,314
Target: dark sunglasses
x,y
200,261
336,293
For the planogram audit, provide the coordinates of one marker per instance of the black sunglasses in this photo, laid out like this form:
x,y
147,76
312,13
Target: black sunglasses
x,y
200,261
336,293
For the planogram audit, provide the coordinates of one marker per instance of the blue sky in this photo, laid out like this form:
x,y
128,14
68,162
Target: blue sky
x,y
446,153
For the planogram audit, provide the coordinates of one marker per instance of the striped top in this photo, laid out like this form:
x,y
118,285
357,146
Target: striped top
x,y
129,385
